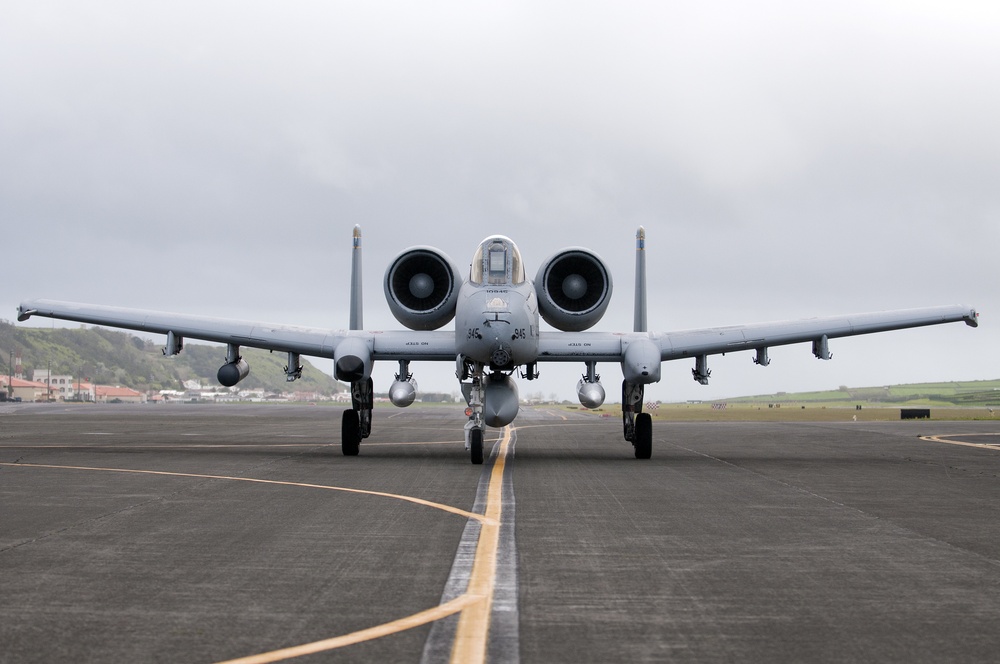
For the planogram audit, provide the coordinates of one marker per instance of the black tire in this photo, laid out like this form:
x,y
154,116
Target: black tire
x,y
476,446
350,433
643,436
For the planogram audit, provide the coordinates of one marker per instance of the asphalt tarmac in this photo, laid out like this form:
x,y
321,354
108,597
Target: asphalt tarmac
x,y
207,533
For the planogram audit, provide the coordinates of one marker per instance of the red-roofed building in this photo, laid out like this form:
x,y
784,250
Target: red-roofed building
x,y
27,390
107,393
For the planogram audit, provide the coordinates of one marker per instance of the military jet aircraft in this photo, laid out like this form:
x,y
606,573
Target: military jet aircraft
x,y
496,309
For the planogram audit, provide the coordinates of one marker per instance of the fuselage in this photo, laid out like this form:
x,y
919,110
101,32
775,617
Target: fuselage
x,y
496,319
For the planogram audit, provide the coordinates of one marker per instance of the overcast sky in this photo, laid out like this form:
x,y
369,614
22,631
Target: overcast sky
x,y
787,159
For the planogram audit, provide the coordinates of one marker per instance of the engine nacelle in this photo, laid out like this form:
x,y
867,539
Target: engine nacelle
x,y
591,395
233,372
421,285
501,401
574,289
403,392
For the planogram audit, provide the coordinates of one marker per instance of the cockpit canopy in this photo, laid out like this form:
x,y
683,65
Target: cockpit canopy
x,y
497,261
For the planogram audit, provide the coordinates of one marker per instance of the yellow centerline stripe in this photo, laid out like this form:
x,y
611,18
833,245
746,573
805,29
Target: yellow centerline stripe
x,y
403,624
410,499
474,623
476,604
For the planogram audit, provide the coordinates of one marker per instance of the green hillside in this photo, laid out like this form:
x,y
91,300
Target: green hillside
x,y
110,357
959,393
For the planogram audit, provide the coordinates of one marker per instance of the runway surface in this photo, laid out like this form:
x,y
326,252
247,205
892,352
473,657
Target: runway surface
x,y
210,533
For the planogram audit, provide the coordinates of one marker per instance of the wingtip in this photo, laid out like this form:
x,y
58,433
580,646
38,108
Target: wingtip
x,y
972,320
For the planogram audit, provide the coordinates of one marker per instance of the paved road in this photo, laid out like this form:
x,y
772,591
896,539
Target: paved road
x,y
135,534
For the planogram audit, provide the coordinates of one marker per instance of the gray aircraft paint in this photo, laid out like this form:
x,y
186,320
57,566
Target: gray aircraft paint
x,y
494,321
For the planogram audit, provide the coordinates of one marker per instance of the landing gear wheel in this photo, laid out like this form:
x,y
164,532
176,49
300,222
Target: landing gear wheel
x,y
643,436
476,446
350,433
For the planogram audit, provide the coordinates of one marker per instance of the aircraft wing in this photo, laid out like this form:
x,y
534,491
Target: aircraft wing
x,y
608,347
440,345
763,335
318,342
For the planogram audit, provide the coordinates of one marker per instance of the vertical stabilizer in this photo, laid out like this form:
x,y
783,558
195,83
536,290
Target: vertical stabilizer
x,y
356,319
640,280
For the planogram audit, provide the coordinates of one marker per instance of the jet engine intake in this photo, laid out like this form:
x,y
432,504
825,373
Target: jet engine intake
x,y
421,285
574,289
233,372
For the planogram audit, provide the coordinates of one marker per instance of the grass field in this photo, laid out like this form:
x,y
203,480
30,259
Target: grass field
x,y
970,400
755,413
965,394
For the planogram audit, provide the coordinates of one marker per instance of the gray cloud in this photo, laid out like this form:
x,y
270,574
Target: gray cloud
x,y
787,161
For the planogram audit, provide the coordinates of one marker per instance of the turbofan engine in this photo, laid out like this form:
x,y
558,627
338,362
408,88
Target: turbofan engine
x,y
574,289
421,286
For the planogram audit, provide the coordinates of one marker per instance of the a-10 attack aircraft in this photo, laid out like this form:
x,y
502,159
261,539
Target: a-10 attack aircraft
x,y
496,309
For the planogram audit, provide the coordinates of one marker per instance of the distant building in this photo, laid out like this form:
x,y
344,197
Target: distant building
x,y
308,396
106,393
64,387
27,390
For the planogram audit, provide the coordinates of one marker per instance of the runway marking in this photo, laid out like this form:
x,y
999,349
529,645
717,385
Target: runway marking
x,y
190,446
946,438
410,499
401,625
471,637
475,604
